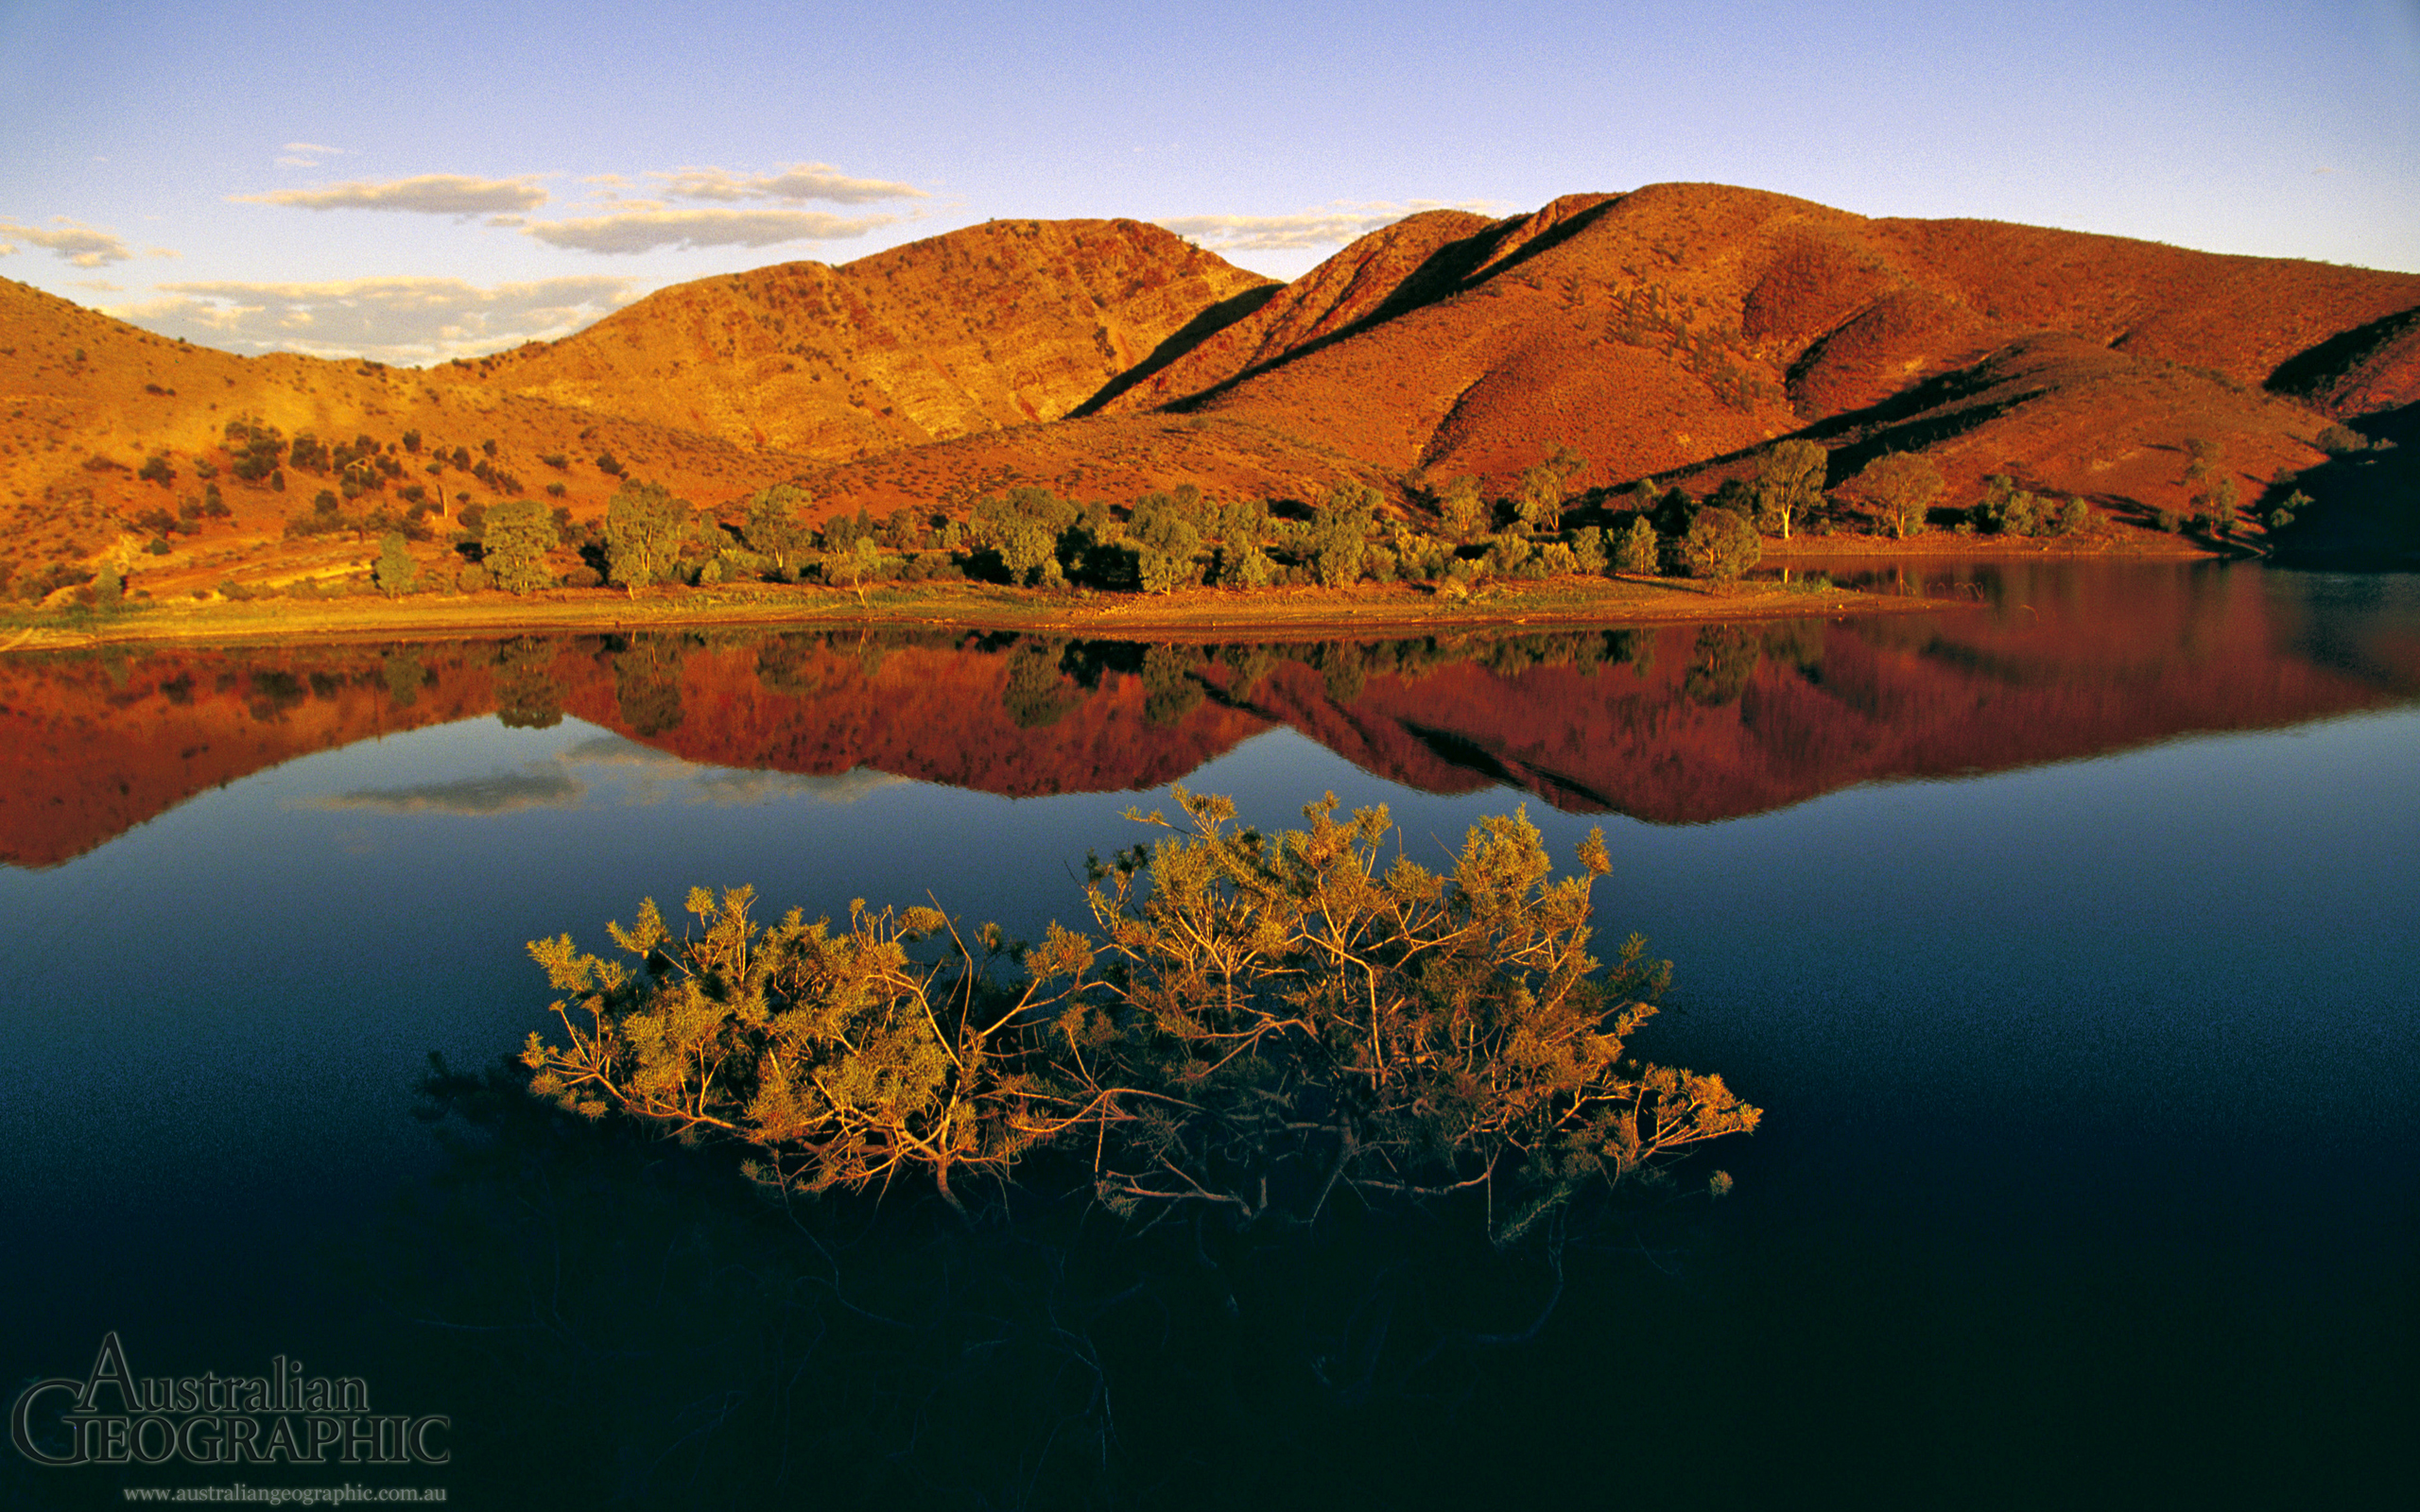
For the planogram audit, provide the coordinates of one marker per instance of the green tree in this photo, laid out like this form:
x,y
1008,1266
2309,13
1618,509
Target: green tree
x,y
1029,549
1790,480
396,573
1537,498
1641,551
1720,546
1339,535
516,538
645,528
1167,547
1902,486
1588,550
773,525
856,567
2008,509
1463,515
1245,566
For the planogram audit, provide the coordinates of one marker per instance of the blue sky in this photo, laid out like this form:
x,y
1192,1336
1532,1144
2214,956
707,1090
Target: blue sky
x,y
423,182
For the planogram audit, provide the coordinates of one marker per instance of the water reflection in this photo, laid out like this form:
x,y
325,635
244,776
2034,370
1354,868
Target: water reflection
x,y
2090,1157
897,1353
1673,725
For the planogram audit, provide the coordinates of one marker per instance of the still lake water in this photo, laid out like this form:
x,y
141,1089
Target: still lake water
x,y
2069,942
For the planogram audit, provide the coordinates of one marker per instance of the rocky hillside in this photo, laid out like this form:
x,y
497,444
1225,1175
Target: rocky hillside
x,y
996,325
1676,332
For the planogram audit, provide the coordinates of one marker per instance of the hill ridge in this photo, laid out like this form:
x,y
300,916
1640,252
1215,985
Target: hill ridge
x,y
1674,332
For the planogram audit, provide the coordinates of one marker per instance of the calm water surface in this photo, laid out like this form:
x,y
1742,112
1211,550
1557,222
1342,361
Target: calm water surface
x,y
2069,943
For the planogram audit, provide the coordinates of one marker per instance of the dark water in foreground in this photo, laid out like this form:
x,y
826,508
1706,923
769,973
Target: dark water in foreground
x,y
2068,943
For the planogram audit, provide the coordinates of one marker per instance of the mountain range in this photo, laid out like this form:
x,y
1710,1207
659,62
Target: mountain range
x,y
1675,332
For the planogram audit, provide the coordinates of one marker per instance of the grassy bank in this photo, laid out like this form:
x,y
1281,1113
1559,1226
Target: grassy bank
x,y
1193,615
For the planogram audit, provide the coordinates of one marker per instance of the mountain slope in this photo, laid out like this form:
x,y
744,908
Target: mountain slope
x,y
1676,332
995,325
1682,328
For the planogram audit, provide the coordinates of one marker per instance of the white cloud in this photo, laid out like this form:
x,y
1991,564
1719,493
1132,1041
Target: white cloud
x,y
648,230
100,284
432,194
799,182
393,320
83,245
1331,226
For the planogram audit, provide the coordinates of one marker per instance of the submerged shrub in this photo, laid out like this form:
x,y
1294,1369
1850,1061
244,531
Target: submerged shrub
x,y
1265,1019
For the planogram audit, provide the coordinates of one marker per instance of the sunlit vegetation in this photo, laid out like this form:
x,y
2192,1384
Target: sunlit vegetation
x,y
1720,545
1265,1023
1901,486
1452,537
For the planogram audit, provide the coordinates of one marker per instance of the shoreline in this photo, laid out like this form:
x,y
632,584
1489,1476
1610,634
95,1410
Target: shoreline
x,y
1189,615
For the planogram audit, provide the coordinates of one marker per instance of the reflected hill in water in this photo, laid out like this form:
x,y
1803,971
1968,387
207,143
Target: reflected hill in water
x,y
1671,725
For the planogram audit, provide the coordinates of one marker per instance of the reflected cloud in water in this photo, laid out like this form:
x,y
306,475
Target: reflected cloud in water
x,y
533,787
646,777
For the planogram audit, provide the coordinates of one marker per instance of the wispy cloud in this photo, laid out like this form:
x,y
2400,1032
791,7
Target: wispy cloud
x,y
84,246
431,194
1330,227
394,320
644,231
306,154
797,183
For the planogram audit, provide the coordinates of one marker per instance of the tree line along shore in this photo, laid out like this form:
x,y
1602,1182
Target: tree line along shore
x,y
382,522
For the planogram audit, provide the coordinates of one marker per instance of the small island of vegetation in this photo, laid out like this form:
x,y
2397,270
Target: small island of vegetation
x,y
1266,1022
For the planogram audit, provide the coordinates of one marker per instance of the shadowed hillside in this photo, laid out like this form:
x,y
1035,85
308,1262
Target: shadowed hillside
x,y
1680,330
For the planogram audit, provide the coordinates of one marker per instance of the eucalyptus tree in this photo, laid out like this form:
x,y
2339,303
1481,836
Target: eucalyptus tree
x,y
1788,481
514,540
645,527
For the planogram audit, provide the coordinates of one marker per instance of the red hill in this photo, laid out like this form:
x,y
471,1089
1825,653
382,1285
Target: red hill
x,y
1674,332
